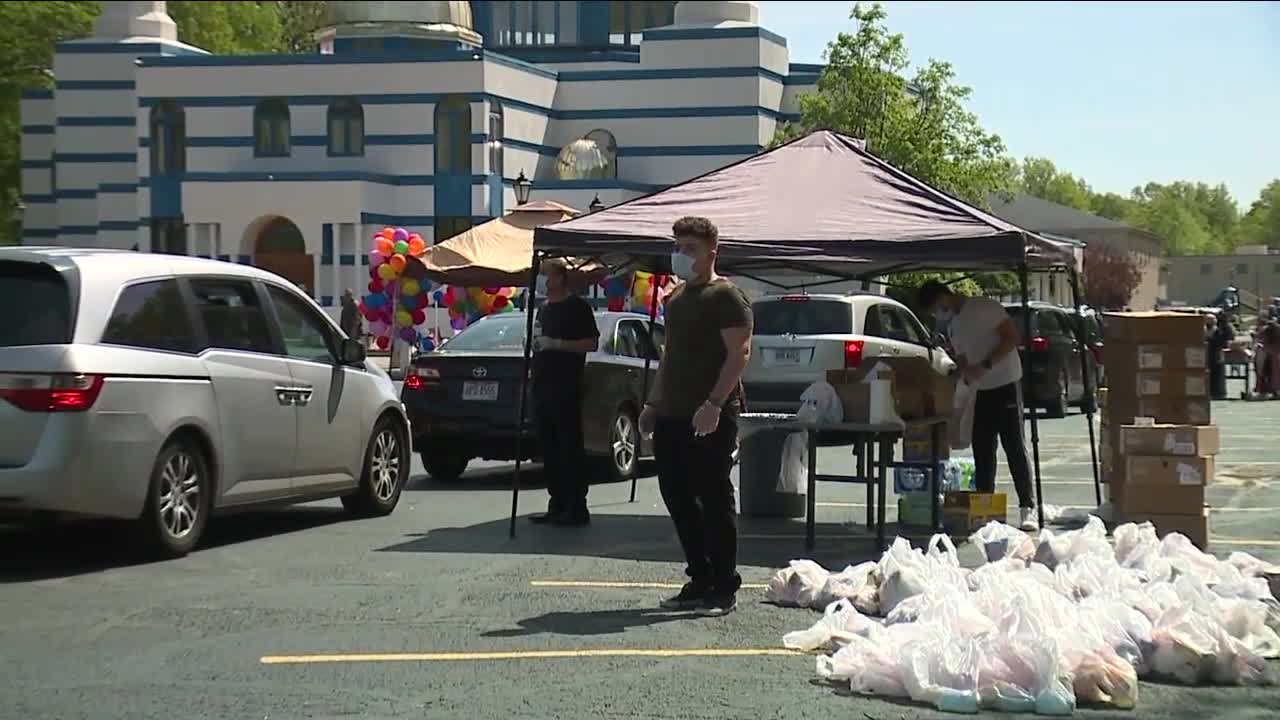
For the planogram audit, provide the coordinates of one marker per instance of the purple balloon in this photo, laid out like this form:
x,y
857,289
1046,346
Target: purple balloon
x,y
375,258
458,323
409,335
400,235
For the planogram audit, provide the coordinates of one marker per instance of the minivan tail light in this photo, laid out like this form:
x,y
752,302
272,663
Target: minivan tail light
x,y
852,354
1039,344
795,298
50,393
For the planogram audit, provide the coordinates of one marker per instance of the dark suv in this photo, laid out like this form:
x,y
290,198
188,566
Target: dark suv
x,y
1052,374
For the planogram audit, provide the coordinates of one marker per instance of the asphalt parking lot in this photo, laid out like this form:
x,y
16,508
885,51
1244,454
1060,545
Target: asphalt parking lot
x,y
434,612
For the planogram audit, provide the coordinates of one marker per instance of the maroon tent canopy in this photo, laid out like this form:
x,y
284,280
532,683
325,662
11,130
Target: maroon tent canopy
x,y
822,204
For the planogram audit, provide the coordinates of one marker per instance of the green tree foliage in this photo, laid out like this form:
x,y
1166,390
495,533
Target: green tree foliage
x,y
921,126
230,28
1261,225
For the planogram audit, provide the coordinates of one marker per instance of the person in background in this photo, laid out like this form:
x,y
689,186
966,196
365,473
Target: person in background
x,y
986,344
350,319
692,413
564,333
1218,337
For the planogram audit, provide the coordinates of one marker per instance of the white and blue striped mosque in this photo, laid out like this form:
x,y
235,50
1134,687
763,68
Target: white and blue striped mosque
x,y
426,115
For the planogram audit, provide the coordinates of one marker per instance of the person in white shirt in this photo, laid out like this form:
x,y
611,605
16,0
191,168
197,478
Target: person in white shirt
x,y
986,349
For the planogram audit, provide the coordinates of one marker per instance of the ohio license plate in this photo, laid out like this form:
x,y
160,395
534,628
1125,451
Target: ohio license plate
x,y
480,391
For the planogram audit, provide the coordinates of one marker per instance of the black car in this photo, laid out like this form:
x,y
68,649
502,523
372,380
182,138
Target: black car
x,y
1052,375
462,398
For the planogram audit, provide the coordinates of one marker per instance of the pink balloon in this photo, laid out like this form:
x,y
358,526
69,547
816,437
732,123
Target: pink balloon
x,y
375,259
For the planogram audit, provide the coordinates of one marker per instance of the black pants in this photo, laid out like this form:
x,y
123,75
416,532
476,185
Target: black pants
x,y
558,406
1217,379
693,474
997,413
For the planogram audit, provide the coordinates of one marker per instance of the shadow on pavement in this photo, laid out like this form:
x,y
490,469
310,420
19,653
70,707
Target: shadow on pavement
x,y
593,622
79,547
501,478
648,538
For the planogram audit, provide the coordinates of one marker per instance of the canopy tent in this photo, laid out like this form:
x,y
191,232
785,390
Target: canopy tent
x,y
821,204
497,252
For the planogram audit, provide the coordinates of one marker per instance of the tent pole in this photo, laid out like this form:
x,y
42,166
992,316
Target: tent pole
x,y
644,381
1089,401
1031,406
524,388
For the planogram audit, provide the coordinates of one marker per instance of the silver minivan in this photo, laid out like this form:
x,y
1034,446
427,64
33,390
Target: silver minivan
x,y
166,388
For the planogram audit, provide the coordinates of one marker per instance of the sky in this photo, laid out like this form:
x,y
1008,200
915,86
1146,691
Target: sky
x,y
1117,93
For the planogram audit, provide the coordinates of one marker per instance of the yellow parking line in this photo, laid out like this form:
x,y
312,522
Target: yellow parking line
x,y
521,655
1243,542
620,585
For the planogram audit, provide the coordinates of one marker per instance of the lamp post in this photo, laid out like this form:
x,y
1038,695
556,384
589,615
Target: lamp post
x,y
596,205
19,214
522,187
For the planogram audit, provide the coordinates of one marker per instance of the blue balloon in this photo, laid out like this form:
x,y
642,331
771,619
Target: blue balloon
x,y
438,296
409,302
427,345
375,300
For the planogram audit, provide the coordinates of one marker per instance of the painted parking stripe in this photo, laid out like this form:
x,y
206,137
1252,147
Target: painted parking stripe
x,y
834,504
600,584
523,655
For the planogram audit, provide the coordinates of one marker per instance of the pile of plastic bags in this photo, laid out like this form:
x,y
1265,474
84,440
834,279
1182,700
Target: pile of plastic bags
x,y
1046,622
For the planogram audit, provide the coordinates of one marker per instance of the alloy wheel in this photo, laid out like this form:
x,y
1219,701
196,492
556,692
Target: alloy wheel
x,y
179,495
624,443
384,465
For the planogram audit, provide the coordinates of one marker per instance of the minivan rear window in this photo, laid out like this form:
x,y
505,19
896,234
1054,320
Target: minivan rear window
x,y
802,317
36,305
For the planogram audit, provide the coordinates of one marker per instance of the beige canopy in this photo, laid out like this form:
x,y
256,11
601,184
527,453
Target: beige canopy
x,y
497,253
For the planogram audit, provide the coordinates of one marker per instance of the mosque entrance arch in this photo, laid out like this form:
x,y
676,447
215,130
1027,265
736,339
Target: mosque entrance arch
x,y
278,246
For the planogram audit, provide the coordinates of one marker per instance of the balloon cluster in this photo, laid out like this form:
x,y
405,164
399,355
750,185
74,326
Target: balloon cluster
x,y
396,303
635,290
466,305
616,290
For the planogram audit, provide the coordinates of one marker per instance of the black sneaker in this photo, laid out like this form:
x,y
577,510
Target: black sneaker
x,y
572,518
545,517
718,604
691,596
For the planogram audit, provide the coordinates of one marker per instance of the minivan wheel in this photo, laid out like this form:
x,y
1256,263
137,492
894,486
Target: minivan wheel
x,y
624,445
1058,407
386,467
443,464
179,499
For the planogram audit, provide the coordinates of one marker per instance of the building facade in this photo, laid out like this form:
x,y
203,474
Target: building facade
x,y
418,114
1198,279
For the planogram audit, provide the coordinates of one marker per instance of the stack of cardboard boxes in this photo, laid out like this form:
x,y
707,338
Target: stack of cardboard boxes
x,y
1158,442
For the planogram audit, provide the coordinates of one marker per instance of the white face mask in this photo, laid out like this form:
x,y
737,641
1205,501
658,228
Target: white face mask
x,y
540,287
682,265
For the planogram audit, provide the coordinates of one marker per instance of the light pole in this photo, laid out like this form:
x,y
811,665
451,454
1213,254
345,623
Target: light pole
x,y
596,205
522,187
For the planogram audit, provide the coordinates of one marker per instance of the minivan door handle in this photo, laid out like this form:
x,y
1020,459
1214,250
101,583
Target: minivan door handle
x,y
302,394
286,395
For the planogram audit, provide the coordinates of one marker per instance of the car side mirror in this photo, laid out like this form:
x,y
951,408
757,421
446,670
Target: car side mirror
x,y
353,352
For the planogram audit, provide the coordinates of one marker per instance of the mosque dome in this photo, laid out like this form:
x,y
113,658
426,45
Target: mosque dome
x,y
714,13
585,159
441,19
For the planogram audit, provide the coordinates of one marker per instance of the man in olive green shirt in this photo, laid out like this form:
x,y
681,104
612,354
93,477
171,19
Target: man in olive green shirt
x,y
693,412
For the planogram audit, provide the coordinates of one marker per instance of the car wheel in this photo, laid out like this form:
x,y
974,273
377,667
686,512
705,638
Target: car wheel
x,y
1058,406
386,468
443,464
178,501
624,445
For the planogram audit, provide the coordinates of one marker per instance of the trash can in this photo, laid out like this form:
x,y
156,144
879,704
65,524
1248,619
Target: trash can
x,y
759,462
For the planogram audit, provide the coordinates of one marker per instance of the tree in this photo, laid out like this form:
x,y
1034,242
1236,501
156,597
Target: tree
x,y
230,28
921,126
1041,178
300,19
1261,225
1110,277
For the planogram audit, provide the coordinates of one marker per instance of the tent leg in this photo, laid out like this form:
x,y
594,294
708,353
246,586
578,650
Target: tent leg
x,y
644,381
1089,402
524,388
1035,424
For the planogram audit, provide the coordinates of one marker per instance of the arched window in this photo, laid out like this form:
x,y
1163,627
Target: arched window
x,y
168,139
496,136
628,19
453,136
346,128
271,128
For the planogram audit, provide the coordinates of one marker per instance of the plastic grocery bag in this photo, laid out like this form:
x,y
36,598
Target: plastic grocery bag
x,y
839,624
859,584
960,429
800,584
793,472
999,540
906,572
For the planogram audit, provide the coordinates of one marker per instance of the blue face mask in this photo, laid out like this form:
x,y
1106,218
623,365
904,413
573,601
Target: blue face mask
x,y
682,266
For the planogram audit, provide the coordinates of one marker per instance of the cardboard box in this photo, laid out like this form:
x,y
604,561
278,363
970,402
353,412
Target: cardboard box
x,y
1153,327
1179,383
1157,499
1193,440
917,443
1194,526
855,396
1168,470
1126,357
918,391
968,511
1165,409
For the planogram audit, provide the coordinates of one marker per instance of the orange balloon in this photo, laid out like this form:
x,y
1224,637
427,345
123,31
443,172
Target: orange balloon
x,y
389,233
416,246
398,262
385,247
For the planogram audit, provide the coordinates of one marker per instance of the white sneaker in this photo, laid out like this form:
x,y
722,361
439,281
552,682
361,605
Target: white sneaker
x,y
1027,519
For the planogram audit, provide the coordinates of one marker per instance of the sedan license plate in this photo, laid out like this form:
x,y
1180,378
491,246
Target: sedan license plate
x,y
480,391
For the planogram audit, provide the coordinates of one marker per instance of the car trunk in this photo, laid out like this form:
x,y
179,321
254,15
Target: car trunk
x,y
467,388
795,341
35,377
